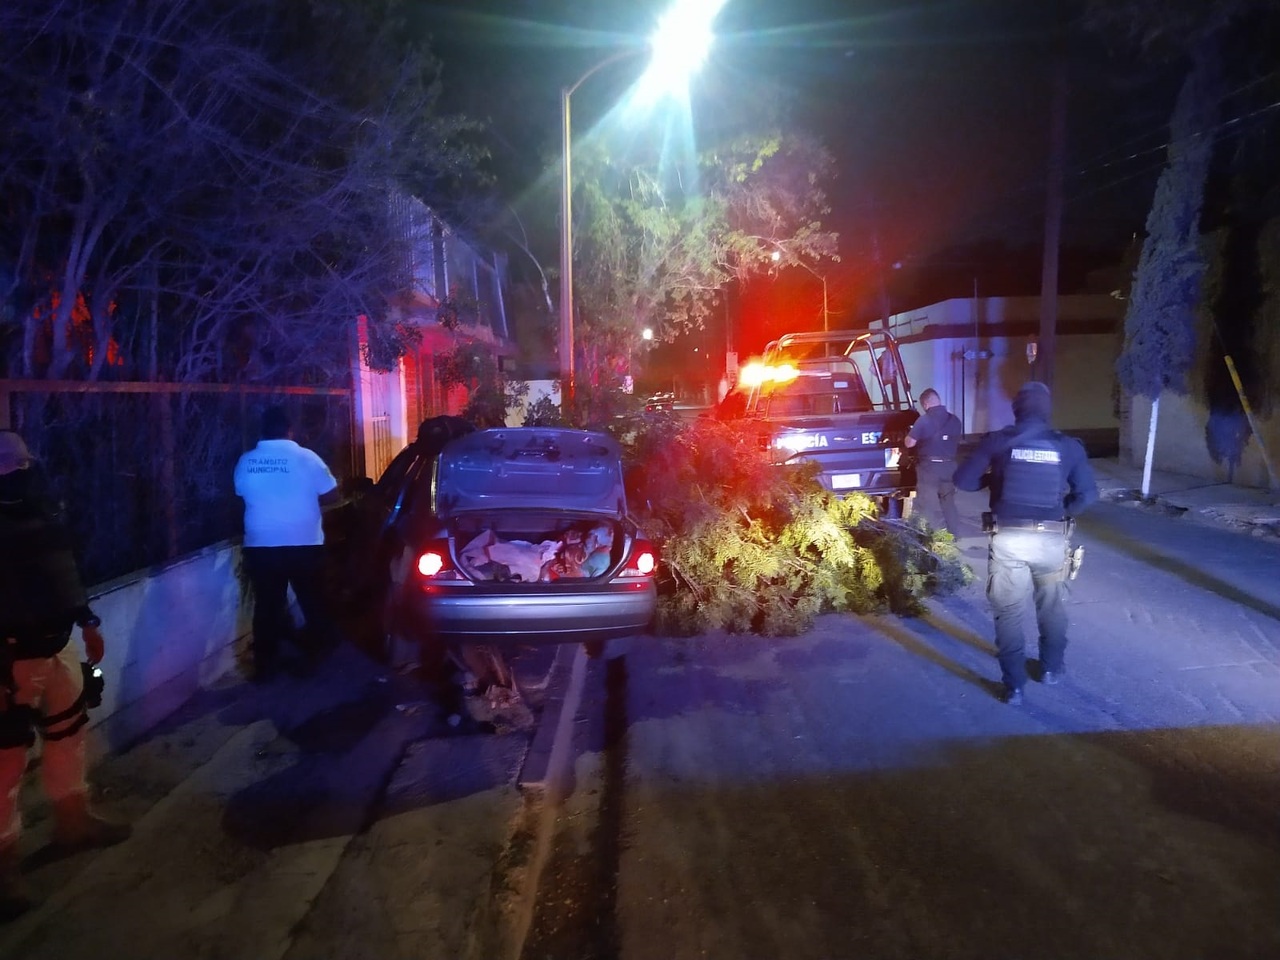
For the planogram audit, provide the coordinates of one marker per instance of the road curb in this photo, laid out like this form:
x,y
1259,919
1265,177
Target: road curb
x,y
543,782
1262,522
545,767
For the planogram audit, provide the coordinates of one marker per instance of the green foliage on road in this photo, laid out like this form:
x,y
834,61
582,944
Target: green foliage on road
x,y
753,547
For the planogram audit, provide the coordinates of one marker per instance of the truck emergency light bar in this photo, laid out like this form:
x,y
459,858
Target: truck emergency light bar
x,y
757,374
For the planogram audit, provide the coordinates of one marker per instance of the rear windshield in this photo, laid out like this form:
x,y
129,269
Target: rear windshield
x,y
830,381
828,386
526,468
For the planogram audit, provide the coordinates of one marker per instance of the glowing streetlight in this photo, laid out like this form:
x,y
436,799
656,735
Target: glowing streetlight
x,y
677,48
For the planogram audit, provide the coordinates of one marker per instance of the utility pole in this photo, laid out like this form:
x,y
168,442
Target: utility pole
x,y
1053,216
884,282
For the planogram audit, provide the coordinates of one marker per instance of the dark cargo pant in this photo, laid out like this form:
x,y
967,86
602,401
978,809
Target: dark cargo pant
x,y
935,490
272,571
1027,565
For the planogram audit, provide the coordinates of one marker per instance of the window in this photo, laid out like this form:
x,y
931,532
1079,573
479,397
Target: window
x,y
821,389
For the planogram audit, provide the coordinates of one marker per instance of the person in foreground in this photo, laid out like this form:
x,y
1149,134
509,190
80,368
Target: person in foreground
x,y
41,678
1040,480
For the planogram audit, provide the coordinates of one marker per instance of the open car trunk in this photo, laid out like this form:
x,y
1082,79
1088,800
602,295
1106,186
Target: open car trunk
x,y
527,546
533,504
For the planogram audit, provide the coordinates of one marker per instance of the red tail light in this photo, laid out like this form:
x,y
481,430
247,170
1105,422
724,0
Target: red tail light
x,y
643,561
435,563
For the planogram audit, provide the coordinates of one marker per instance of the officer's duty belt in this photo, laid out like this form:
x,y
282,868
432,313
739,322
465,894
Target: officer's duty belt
x,y
1045,526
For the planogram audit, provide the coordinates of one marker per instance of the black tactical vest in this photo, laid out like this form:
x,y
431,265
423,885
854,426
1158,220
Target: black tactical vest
x,y
40,586
1034,476
945,441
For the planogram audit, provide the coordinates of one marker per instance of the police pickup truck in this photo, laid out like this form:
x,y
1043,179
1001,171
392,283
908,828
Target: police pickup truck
x,y
842,400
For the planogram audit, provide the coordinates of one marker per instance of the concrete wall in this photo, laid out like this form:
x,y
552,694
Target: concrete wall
x,y
975,354
169,632
1181,446
977,378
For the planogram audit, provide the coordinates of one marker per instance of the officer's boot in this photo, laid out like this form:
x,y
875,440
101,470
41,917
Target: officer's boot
x,y
15,896
77,827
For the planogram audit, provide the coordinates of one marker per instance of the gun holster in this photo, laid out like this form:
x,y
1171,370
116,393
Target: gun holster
x,y
989,523
94,684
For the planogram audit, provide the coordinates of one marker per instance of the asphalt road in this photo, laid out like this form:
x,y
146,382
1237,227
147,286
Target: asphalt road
x,y
860,792
855,792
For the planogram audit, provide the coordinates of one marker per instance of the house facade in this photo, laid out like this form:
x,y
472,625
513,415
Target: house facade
x,y
976,352
1181,443
454,293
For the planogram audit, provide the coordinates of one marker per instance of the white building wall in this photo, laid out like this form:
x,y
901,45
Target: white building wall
x,y
383,416
1181,446
954,347
170,631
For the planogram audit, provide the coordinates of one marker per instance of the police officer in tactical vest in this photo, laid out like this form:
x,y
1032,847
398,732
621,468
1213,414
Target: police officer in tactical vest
x,y
1039,480
43,687
935,438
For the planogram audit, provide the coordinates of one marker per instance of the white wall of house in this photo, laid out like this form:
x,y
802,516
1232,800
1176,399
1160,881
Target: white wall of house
x,y
381,410
170,631
966,351
977,378
1181,446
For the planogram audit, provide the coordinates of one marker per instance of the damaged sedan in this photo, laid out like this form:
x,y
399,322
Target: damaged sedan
x,y
512,535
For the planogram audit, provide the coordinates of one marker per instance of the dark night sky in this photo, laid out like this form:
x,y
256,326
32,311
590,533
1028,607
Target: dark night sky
x,y
937,112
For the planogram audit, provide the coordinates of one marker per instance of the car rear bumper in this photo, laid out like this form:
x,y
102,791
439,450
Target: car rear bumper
x,y
874,483
482,613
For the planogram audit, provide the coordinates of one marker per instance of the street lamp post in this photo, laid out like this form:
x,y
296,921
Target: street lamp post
x,y
826,314
678,47
566,256
566,225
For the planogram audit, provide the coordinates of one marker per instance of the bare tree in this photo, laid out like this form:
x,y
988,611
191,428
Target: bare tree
x,y
181,198
199,191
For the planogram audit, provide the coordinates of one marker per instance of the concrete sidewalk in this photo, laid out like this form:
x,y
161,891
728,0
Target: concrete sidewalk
x,y
1247,509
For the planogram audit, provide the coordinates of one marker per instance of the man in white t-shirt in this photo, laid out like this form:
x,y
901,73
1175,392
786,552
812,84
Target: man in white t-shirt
x,y
283,485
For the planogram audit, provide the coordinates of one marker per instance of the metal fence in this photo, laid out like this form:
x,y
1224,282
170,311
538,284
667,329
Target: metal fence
x,y
145,469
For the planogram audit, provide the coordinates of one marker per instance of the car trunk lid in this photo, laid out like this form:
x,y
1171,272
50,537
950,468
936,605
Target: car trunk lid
x,y
531,468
